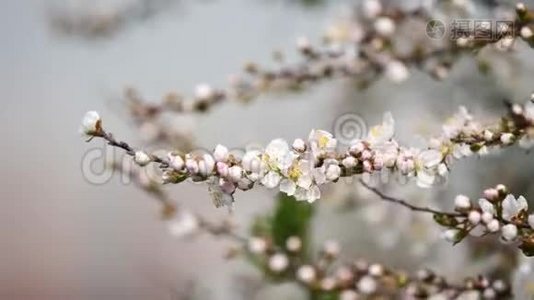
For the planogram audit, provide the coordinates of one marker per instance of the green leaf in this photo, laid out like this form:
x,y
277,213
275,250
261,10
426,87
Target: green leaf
x,y
291,218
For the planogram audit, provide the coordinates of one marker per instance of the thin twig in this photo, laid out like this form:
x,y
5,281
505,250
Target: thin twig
x,y
406,204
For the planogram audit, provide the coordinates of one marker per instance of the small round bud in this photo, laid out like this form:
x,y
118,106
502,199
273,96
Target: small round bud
x,y
526,32
222,169
331,248
376,270
91,123
357,148
278,262
507,138
488,135
493,226
489,293
451,235
235,173
474,217
333,172
257,245
328,284
349,162
371,8
294,244
306,274
299,145
176,162
203,92
348,295
462,202
220,153
520,7
367,285
397,71
491,194
487,217
303,44
509,232
141,158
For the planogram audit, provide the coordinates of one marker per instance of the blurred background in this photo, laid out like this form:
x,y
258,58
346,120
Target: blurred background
x,y
62,237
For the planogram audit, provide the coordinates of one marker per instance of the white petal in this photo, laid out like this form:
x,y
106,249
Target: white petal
x,y
430,158
313,194
271,180
287,186
510,207
425,179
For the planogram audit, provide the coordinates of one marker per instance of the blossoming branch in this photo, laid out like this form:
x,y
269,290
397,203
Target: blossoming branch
x,y
363,50
301,168
497,211
328,276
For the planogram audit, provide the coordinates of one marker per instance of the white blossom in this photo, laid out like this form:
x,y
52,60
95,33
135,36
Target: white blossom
x,y
384,132
176,162
288,186
320,142
271,180
511,206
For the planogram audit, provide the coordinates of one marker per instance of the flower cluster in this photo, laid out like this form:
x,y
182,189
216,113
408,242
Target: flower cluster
x,y
362,49
496,212
301,168
326,275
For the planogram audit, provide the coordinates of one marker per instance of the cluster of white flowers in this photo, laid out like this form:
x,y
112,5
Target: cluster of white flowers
x,y
301,168
496,211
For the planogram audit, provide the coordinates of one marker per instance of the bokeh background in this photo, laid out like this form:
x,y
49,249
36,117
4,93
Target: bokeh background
x,y
62,237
